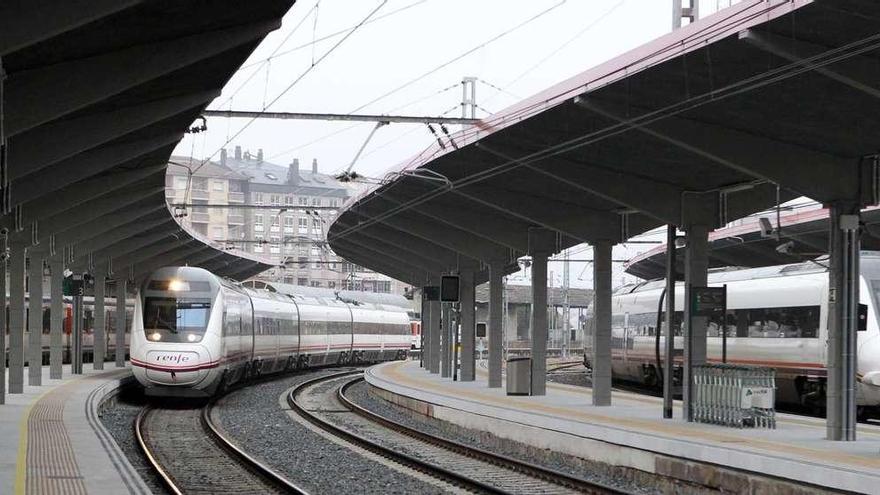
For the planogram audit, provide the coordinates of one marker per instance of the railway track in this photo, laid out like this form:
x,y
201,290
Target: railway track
x,y
191,454
323,402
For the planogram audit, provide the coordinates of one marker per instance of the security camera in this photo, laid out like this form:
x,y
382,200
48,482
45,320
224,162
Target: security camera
x,y
785,247
681,242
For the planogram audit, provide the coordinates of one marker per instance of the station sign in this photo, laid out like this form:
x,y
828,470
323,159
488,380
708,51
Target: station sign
x,y
449,288
708,301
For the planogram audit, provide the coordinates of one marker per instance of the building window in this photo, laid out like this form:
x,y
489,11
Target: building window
x,y
315,283
316,265
315,251
258,243
316,201
235,186
331,284
275,199
303,201
316,226
383,286
199,206
288,224
218,185
258,198
303,225
303,250
200,183
303,262
288,199
333,265
180,182
275,244
302,281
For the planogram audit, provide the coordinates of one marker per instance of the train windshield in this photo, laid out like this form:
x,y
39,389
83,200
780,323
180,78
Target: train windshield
x,y
172,319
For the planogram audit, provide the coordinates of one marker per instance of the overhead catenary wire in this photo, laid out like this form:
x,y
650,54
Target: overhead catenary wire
x,y
297,79
460,56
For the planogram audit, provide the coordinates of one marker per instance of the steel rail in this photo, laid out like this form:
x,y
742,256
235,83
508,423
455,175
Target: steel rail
x,y
363,442
534,470
216,434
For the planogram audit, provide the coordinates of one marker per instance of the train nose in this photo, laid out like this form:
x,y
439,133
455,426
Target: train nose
x,y
186,366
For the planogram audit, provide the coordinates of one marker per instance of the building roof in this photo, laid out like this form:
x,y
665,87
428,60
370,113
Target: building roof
x,y
259,171
208,169
522,294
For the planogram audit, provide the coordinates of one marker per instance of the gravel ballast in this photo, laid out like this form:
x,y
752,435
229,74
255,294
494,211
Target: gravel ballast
x,y
256,421
359,393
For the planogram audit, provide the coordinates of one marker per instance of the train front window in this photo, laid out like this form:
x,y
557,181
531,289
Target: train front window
x,y
170,319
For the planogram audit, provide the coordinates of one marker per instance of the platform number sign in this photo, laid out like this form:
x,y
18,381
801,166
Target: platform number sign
x,y
708,301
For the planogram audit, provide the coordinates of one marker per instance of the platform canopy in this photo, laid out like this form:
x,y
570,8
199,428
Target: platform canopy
x,y
802,236
697,127
96,96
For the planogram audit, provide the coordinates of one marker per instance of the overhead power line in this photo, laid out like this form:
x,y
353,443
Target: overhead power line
x,y
400,119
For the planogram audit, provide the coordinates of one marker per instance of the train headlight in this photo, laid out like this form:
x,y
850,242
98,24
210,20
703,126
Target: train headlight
x,y
177,285
155,336
191,337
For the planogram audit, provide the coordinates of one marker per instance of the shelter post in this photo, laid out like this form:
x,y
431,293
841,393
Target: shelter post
x,y
601,345
843,305
446,343
35,321
496,275
99,338
541,244
56,316
120,322
434,330
699,214
3,325
16,318
468,325
669,323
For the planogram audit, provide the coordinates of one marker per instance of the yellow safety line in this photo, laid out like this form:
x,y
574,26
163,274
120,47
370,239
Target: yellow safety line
x,y
21,458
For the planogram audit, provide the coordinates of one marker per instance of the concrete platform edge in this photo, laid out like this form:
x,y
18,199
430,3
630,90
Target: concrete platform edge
x,y
624,453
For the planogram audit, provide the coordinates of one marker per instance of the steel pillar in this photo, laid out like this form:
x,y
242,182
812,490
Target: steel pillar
x,y
468,326
541,244
99,350
843,299
35,319
669,323
696,275
423,363
446,343
539,324
432,329
56,316
601,359
120,322
16,318
3,325
496,288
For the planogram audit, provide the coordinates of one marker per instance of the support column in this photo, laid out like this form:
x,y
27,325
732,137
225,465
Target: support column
x,y
541,244
843,299
120,322
423,345
3,322
35,318
467,294
433,328
99,350
16,318
669,323
446,343
56,316
695,275
601,359
496,274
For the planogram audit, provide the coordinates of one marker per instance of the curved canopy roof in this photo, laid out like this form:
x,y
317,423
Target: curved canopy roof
x,y
694,128
96,96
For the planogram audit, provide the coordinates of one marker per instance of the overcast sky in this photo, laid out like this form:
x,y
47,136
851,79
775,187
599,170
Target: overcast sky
x,y
555,39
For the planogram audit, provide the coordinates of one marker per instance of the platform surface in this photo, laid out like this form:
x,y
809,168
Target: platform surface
x,y
795,450
53,441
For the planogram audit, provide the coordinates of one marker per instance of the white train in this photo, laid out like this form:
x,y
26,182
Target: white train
x,y
776,317
194,333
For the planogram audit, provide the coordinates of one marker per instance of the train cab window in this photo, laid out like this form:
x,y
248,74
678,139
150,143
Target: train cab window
x,y
169,319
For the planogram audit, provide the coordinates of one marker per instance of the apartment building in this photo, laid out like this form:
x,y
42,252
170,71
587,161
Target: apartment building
x,y
284,216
